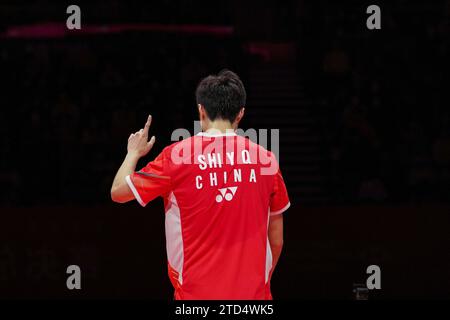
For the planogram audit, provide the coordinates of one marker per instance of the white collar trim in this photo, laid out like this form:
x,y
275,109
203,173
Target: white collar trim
x,y
211,134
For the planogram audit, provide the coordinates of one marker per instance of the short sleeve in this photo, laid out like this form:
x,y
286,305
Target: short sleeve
x,y
279,201
151,181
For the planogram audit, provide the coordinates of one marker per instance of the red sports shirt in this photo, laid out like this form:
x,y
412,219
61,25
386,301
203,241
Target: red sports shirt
x,y
218,191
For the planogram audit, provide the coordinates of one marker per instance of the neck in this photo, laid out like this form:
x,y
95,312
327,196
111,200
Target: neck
x,y
220,125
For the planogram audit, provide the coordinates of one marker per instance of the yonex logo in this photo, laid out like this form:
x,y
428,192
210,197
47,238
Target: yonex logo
x,y
226,193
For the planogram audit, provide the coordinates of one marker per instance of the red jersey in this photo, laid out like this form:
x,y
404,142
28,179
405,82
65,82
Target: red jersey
x,y
218,191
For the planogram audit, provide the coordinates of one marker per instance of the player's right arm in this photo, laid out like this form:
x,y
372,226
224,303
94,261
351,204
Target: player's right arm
x,y
138,146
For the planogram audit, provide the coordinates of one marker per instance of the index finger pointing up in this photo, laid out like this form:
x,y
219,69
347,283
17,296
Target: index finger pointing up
x,y
147,125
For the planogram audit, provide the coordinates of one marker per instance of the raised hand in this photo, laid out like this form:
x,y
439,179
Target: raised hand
x,y
138,143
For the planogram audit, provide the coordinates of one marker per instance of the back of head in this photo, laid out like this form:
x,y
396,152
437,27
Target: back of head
x,y
222,95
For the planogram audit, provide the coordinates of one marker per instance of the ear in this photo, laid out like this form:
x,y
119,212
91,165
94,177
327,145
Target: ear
x,y
240,115
201,112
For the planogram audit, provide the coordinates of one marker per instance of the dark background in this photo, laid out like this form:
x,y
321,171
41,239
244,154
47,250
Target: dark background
x,y
364,138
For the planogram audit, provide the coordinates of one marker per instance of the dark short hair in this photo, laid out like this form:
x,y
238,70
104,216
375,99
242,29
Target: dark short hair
x,y
222,95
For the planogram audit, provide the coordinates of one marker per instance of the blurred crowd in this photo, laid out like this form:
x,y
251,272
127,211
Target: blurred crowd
x,y
68,104
68,107
382,97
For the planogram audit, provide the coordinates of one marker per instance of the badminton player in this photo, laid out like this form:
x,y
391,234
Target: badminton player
x,y
223,195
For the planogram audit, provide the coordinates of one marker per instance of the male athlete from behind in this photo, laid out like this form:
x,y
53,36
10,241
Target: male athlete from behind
x,y
223,195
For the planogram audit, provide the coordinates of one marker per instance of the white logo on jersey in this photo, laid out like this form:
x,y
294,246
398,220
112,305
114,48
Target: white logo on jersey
x,y
226,193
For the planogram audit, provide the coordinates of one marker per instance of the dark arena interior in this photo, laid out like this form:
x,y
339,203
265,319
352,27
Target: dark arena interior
x,y
364,139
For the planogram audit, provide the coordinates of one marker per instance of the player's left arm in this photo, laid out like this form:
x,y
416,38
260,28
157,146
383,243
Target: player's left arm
x,y
275,234
138,146
279,203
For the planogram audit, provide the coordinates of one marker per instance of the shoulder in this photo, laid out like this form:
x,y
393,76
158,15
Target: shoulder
x,y
179,149
181,143
260,155
255,147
